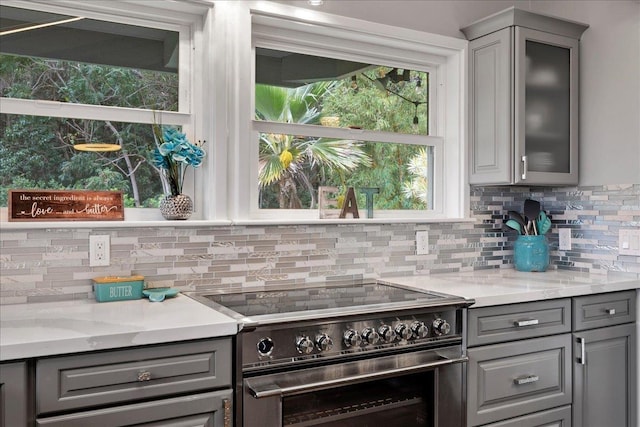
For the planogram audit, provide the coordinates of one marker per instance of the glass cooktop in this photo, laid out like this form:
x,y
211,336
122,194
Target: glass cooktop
x,y
257,303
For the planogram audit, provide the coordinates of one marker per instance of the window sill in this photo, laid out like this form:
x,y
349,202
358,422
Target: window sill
x,y
37,225
5,226
351,221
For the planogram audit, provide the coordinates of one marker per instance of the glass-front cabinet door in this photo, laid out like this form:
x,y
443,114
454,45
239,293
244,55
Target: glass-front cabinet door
x,y
546,108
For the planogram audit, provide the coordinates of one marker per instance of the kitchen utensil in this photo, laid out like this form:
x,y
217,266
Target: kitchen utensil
x,y
515,225
518,218
543,222
531,211
159,294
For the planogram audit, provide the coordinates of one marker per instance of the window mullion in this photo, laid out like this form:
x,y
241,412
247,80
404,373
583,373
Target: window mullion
x,y
45,108
345,133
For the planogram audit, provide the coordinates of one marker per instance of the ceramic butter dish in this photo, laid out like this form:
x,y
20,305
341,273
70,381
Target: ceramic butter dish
x,y
118,288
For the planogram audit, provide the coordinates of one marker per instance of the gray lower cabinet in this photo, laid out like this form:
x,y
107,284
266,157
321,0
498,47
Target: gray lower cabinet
x,y
14,395
605,362
178,384
515,378
558,417
563,362
200,410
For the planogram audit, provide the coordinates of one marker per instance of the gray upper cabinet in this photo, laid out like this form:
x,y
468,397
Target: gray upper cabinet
x,y
523,99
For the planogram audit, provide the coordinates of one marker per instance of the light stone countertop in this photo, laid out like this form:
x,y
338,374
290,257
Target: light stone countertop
x,y
45,329
508,286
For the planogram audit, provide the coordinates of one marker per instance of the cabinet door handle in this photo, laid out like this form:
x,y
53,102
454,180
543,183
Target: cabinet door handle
x,y
610,311
583,354
526,379
226,407
144,376
529,322
525,166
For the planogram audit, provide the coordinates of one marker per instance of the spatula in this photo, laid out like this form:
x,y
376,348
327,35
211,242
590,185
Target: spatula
x,y
518,218
531,211
543,222
515,225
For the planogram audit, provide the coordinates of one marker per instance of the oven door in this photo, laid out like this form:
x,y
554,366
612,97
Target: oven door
x,y
416,389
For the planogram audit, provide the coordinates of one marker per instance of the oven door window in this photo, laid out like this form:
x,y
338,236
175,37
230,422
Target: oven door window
x,y
400,401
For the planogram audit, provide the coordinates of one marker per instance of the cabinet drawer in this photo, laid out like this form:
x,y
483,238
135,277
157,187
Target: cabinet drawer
x,y
205,409
512,379
86,380
488,325
597,311
559,417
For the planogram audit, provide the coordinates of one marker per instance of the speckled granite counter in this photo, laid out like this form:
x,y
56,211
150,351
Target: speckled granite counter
x,y
507,286
44,329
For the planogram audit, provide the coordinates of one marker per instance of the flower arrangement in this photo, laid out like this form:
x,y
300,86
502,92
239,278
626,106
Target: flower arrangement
x,y
172,155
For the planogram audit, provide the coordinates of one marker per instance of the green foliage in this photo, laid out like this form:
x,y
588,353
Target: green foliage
x,y
321,161
37,152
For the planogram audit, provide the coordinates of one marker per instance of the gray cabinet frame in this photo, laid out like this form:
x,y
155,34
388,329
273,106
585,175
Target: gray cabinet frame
x,y
15,395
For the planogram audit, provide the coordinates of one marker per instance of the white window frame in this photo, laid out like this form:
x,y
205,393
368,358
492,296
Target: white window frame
x,y
282,27
190,21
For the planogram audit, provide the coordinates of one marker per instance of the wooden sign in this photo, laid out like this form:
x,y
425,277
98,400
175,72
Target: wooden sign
x,y
65,205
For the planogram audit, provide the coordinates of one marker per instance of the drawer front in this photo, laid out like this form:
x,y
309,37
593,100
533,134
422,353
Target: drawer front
x,y
601,310
513,379
86,380
559,417
488,325
205,409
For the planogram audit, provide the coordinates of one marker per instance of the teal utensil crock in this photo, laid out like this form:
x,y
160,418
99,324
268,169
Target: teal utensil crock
x,y
531,253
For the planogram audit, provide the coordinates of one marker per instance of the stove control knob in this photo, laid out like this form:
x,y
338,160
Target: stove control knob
x,y
351,338
370,336
265,347
419,330
403,331
387,334
441,327
324,342
304,345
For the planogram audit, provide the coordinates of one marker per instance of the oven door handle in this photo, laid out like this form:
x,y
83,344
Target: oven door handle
x,y
291,383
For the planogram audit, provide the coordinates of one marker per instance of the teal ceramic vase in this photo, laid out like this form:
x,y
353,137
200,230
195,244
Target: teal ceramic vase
x,y
531,253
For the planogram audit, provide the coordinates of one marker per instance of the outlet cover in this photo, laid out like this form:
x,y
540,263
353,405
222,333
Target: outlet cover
x,y
422,243
99,250
564,239
629,243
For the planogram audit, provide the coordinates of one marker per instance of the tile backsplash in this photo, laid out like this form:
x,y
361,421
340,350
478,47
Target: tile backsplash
x,y
53,264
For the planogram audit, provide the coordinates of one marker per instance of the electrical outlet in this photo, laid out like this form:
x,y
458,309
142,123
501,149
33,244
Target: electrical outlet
x,y
629,242
422,243
99,250
564,239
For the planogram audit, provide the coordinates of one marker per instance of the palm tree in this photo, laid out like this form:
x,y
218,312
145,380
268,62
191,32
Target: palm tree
x,y
286,160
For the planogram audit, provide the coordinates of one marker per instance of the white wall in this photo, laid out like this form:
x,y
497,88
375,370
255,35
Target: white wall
x,y
610,66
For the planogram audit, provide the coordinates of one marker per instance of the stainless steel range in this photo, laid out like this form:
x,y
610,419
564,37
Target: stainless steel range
x,y
356,354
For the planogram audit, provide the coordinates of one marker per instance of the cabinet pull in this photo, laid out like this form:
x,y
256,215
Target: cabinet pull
x,y
144,376
583,354
610,311
525,166
530,322
227,412
526,380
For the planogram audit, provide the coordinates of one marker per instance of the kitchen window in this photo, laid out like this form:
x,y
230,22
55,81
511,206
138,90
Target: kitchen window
x,y
91,75
345,104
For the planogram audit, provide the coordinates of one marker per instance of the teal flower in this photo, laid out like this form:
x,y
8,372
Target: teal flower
x,y
173,153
